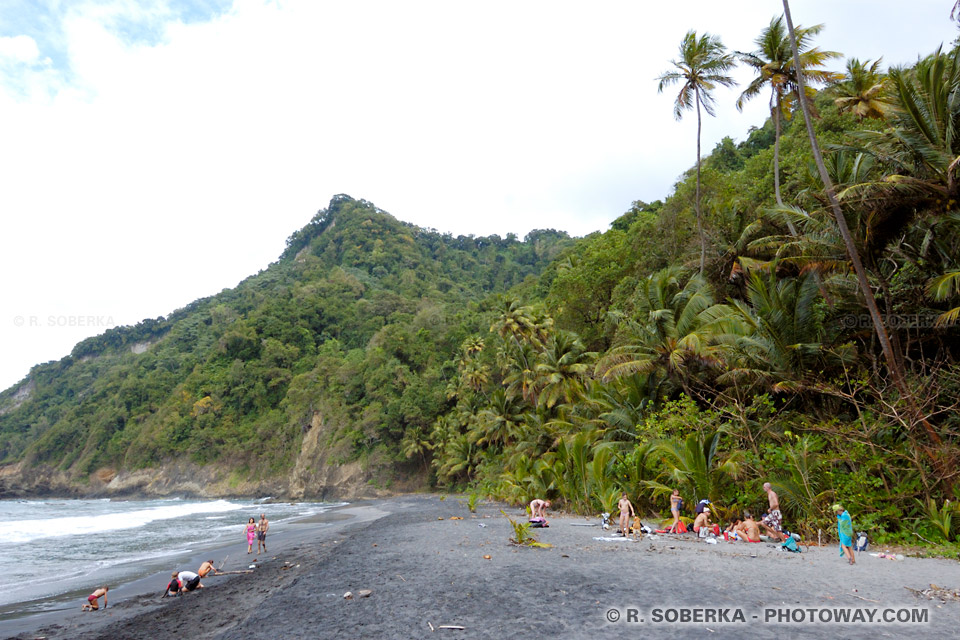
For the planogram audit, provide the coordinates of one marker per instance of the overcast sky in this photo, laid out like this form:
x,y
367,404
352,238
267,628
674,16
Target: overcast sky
x,y
155,152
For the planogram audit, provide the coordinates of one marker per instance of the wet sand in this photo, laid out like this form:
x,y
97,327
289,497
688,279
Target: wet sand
x,y
425,572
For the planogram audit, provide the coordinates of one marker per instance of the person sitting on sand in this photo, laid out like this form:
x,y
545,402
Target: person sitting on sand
x,y
749,530
732,529
538,508
92,604
676,504
703,521
189,581
206,568
626,512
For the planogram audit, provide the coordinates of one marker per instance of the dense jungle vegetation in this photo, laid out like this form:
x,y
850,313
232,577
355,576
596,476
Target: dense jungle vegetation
x,y
713,341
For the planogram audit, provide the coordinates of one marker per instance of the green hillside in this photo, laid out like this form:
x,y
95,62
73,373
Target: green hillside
x,y
711,342
357,318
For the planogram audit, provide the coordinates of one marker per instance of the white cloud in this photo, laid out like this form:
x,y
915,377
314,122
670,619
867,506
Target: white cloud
x,y
165,159
18,49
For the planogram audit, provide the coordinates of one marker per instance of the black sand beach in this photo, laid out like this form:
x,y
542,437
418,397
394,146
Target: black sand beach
x,y
425,573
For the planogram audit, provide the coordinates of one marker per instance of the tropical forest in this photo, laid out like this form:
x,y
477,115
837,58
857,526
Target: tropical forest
x,y
788,314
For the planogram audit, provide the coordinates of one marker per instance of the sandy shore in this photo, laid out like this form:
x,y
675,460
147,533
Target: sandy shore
x,y
424,571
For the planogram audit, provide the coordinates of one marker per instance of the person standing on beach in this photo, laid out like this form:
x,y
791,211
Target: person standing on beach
x,y
773,521
676,504
845,532
251,530
626,513
92,604
262,527
538,508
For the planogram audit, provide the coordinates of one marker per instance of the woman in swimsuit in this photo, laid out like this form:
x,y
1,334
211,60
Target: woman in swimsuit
x,y
251,531
676,503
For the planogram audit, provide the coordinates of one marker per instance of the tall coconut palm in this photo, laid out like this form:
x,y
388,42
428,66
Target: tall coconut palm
x,y
862,91
702,65
775,68
894,365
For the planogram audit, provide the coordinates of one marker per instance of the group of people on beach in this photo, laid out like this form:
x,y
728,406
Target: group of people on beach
x,y
257,530
186,581
746,529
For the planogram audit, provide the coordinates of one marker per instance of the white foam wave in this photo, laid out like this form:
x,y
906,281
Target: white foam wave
x,y
27,530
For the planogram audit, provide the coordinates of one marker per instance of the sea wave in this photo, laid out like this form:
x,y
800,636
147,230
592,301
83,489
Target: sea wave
x,y
27,530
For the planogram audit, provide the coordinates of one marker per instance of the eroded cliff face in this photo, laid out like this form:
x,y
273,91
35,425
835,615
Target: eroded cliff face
x,y
316,475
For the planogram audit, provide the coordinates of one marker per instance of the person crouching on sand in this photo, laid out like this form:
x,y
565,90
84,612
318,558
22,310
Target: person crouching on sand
x,y
189,581
251,530
206,568
92,604
538,508
626,514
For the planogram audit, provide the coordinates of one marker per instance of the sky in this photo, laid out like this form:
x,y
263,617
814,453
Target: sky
x,y
155,152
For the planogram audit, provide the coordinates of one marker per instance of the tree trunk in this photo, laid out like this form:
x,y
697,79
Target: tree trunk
x,y
893,364
703,239
777,111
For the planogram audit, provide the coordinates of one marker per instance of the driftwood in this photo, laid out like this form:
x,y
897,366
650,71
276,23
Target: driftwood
x,y
230,573
451,626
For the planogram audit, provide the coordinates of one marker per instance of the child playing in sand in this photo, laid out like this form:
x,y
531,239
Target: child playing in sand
x,y
92,604
626,513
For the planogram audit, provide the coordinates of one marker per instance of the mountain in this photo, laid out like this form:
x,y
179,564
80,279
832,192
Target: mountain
x,y
302,380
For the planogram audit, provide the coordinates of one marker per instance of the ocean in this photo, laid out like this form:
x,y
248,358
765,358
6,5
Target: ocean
x,y
52,549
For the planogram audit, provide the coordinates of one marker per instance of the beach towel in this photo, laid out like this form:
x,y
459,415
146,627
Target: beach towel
x,y
845,530
790,544
616,539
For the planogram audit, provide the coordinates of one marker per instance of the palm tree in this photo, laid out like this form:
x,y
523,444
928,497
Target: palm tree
x,y
694,465
775,67
702,65
862,90
561,369
775,336
942,288
894,365
671,329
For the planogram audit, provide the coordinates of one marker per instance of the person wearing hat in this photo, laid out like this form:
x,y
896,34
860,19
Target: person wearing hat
x,y
703,521
845,532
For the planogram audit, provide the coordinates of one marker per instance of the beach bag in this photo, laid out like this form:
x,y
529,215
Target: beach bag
x,y
790,544
681,528
862,542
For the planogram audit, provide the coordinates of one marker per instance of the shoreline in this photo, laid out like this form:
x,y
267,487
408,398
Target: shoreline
x,y
133,596
426,567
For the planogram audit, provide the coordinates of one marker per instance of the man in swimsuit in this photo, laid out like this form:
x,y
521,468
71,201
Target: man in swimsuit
x,y
189,581
92,604
206,568
538,508
626,512
262,527
773,521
